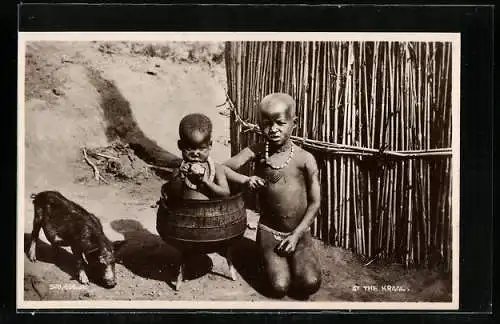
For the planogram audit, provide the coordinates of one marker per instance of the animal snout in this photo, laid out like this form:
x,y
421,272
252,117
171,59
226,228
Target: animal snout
x,y
109,278
109,283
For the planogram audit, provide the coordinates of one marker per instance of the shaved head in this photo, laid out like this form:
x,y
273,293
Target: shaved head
x,y
277,118
279,99
195,128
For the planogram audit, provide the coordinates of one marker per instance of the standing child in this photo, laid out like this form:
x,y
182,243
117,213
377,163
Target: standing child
x,y
289,200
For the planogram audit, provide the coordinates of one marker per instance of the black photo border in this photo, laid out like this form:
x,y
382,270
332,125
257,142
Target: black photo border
x,y
473,22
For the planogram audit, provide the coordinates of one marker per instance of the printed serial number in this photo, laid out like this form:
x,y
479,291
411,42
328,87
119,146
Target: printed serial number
x,y
66,287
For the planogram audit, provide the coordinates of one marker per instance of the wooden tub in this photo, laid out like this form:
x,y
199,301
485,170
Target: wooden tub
x,y
202,226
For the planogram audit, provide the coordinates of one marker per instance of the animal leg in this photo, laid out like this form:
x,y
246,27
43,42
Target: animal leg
x,y
51,235
37,225
180,276
81,275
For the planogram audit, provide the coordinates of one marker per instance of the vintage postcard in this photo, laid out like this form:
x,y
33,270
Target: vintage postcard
x,y
249,171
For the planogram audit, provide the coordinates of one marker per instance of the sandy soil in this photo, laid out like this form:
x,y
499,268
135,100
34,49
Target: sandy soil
x,y
64,111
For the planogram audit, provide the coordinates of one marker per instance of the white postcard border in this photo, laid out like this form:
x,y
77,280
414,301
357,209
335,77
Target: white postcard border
x,y
25,37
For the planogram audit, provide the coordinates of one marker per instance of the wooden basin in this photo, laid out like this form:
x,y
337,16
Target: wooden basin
x,y
201,224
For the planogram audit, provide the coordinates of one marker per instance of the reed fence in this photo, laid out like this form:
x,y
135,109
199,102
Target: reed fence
x,y
377,117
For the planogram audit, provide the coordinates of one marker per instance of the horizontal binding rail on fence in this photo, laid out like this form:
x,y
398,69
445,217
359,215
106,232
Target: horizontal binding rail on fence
x,y
343,149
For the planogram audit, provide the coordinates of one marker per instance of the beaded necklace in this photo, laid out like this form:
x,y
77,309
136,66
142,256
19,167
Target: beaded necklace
x,y
275,174
281,166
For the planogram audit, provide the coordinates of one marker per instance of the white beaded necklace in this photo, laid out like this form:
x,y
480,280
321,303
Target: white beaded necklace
x,y
284,164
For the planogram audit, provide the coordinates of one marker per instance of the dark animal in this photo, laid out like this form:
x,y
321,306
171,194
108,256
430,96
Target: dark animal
x,y
65,223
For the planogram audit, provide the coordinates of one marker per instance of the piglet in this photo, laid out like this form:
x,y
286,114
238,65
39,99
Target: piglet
x,y
66,223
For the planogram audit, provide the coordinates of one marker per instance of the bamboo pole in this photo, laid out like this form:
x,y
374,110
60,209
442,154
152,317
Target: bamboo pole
x,y
447,235
389,134
354,128
367,142
312,107
255,77
318,109
425,186
415,116
383,99
372,189
436,166
338,162
404,166
342,169
374,92
427,145
401,226
392,146
359,199
238,85
326,137
337,201
348,137
306,89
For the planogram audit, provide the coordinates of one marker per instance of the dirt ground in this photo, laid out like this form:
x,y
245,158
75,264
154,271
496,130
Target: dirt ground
x,y
65,110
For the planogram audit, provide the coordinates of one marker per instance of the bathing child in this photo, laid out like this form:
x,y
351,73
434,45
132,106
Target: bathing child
x,y
289,200
198,176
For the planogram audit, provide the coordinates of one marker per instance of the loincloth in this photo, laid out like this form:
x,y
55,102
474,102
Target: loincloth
x,y
279,236
268,238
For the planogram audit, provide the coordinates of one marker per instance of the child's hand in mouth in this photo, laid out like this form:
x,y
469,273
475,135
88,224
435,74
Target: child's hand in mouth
x,y
197,169
195,172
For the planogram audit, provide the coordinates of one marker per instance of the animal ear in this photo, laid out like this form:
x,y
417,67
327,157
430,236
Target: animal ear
x,y
118,244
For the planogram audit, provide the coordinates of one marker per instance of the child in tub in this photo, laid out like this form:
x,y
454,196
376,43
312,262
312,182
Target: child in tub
x,y
289,199
198,176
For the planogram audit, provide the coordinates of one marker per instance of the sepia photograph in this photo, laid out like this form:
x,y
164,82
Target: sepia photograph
x,y
238,170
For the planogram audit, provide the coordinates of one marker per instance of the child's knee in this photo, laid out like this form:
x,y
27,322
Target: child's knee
x,y
311,284
308,284
280,285
277,273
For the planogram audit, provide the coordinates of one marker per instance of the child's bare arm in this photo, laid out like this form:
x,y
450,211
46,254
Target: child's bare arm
x,y
234,176
253,182
240,159
313,193
219,187
174,188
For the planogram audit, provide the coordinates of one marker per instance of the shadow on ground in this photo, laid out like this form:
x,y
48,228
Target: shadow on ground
x,y
61,258
121,124
148,256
